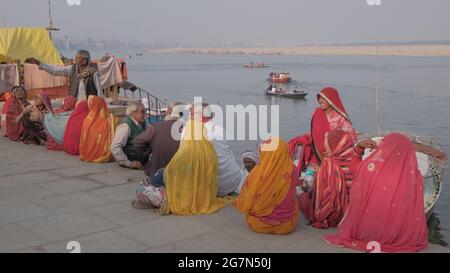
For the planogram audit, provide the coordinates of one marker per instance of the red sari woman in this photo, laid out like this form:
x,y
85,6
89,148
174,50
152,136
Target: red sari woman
x,y
329,153
386,205
331,115
72,134
6,97
329,194
16,105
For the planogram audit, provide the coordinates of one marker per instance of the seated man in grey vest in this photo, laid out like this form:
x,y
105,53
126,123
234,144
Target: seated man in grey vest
x,y
122,147
84,79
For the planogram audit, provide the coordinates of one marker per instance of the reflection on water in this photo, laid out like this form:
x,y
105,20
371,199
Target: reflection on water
x,y
435,235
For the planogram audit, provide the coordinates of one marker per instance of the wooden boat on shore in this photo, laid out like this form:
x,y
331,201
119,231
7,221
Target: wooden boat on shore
x,y
279,78
292,95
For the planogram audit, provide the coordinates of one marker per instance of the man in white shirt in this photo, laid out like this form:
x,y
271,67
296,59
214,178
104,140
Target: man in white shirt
x,y
230,174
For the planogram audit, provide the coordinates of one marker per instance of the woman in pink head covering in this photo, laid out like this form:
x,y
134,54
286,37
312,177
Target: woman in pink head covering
x,y
331,115
386,204
69,104
31,119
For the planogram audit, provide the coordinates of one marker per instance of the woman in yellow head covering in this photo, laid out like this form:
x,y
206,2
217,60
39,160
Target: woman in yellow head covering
x,y
96,132
191,177
268,196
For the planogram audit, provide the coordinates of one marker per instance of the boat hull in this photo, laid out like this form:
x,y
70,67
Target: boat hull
x,y
287,95
279,80
255,66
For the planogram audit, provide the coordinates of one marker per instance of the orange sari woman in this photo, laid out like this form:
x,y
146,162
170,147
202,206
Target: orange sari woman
x,y
268,196
96,132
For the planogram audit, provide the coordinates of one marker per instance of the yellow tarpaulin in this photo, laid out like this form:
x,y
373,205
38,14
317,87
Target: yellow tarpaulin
x,y
25,42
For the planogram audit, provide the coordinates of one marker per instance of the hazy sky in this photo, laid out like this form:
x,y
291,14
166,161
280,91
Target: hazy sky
x,y
239,21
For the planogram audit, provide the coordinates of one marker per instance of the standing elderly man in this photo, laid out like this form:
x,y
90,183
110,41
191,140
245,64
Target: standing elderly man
x,y
84,79
122,147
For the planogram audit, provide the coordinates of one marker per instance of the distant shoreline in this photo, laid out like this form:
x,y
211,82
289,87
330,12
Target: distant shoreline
x,y
364,50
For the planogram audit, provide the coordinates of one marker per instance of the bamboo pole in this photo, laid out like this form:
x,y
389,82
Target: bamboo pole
x,y
377,101
50,25
115,94
20,70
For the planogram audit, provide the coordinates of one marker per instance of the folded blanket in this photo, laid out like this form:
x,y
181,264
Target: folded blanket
x,y
35,78
110,72
55,125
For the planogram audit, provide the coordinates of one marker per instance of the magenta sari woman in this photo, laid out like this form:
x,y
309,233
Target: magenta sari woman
x,y
386,205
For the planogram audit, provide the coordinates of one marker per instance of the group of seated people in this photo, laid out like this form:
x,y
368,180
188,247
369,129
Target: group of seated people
x,y
168,157
81,128
190,168
377,199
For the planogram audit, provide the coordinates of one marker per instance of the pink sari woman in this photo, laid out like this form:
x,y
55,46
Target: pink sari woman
x,y
386,203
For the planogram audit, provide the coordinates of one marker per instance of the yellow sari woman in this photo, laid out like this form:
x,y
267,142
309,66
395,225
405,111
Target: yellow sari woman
x,y
191,177
268,196
96,132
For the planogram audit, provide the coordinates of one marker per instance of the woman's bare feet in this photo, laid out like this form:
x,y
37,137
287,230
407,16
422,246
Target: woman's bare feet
x,y
137,204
